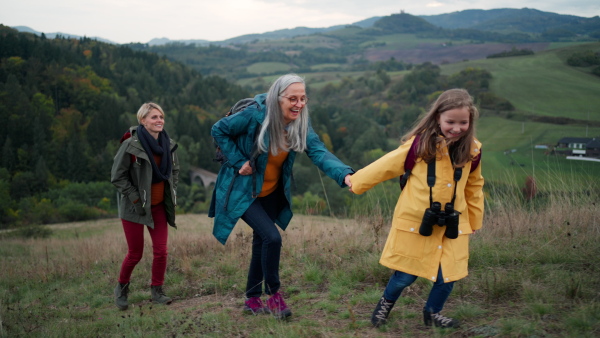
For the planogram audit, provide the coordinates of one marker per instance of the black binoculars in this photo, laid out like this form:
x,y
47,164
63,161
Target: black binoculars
x,y
435,215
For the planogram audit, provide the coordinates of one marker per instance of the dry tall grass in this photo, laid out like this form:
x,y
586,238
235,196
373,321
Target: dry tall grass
x,y
534,271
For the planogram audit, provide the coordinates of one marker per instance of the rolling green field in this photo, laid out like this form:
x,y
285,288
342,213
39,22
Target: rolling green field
x,y
500,137
533,272
542,84
311,41
264,67
411,41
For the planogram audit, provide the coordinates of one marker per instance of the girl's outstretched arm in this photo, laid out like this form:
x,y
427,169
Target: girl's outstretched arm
x,y
387,167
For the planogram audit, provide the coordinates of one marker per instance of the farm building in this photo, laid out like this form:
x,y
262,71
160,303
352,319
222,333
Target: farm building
x,y
579,146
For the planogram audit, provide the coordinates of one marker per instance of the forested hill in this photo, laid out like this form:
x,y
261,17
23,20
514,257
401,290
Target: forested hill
x,y
404,37
65,102
526,20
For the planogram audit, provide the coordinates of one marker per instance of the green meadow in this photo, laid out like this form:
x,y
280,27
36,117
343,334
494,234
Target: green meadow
x,y
533,267
410,41
543,84
533,272
264,67
537,85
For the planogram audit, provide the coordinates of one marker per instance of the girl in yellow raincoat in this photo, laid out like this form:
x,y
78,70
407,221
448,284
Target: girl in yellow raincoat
x,y
432,220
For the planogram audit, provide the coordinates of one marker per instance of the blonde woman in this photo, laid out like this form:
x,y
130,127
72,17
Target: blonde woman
x,y
145,173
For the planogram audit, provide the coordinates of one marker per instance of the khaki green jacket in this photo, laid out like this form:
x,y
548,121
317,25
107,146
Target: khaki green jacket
x,y
132,176
405,249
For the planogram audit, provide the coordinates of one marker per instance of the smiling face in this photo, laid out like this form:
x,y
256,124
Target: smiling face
x,y
292,111
454,123
154,122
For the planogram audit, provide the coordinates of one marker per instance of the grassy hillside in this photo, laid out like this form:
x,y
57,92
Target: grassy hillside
x,y
542,84
537,85
261,67
533,272
409,41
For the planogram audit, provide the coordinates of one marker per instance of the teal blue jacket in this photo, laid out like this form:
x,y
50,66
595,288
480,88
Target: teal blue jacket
x,y
232,196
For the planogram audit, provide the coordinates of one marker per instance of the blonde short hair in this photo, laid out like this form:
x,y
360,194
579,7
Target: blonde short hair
x,y
146,108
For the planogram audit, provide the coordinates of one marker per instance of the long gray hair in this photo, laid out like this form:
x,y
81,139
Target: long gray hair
x,y
297,130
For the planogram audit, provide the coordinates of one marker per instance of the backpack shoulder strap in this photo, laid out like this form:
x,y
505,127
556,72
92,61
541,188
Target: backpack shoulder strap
x,y
475,162
410,161
123,138
411,158
241,105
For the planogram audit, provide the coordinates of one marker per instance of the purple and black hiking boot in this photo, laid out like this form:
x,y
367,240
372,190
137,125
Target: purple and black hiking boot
x,y
254,306
277,306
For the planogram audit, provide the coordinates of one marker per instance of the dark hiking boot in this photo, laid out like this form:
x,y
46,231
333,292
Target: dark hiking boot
x,y
381,312
277,306
121,292
254,306
438,320
158,295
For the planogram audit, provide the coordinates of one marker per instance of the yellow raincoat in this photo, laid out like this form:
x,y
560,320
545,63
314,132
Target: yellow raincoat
x,y
405,249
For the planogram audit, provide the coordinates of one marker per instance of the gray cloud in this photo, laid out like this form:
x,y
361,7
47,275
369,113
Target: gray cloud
x,y
141,21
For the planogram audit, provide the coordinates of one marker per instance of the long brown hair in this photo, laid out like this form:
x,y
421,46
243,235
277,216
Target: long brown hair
x,y
430,131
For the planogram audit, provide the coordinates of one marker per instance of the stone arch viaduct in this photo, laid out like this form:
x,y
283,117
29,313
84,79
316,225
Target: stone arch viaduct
x,y
201,176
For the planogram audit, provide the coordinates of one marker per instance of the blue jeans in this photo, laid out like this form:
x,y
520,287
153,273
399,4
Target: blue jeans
x,y
266,243
437,297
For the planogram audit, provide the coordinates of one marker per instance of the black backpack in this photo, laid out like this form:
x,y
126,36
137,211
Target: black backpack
x,y
236,108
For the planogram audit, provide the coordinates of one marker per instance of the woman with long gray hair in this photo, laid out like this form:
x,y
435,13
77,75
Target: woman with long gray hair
x,y
259,145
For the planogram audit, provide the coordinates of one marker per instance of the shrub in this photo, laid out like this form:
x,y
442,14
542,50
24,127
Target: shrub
x,y
584,59
72,211
309,204
34,231
513,52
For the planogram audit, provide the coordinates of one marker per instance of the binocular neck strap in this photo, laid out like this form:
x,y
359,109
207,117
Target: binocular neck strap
x,y
457,176
431,180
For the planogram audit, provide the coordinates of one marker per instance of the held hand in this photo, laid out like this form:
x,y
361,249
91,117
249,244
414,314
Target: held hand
x,y
246,169
348,182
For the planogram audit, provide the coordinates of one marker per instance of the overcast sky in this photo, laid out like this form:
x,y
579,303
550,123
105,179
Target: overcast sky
x,y
125,21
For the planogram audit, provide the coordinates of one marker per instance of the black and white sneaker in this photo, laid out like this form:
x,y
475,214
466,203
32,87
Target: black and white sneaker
x,y
438,320
381,312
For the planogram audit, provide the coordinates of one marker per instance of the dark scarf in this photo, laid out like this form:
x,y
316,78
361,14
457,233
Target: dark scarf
x,y
162,147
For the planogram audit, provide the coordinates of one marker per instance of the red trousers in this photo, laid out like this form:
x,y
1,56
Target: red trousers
x,y
134,233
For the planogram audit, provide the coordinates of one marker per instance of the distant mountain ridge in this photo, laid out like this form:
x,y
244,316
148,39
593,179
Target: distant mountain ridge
x,y
509,19
273,35
524,20
26,29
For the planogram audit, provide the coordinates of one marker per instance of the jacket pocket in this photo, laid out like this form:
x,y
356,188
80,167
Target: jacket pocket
x,y
406,240
460,247
464,228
